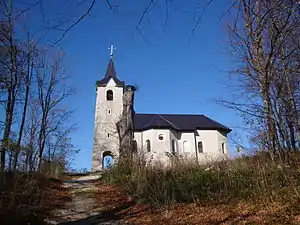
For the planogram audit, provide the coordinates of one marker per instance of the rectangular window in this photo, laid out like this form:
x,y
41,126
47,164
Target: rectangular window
x,y
174,147
200,147
148,145
223,148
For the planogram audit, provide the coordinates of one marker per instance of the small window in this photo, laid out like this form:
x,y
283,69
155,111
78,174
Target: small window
x,y
134,146
223,148
109,111
107,134
185,146
148,145
109,95
200,147
160,137
174,147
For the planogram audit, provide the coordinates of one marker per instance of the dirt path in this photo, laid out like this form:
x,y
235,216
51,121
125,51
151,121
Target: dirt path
x,y
82,209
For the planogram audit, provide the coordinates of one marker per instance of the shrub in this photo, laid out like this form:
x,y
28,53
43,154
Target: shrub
x,y
22,196
247,178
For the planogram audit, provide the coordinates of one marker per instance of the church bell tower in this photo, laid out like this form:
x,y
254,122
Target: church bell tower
x,y
108,110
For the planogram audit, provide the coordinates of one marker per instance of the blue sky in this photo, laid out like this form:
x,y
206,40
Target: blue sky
x,y
174,73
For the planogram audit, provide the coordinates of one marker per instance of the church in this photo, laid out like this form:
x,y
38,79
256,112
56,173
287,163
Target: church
x,y
195,138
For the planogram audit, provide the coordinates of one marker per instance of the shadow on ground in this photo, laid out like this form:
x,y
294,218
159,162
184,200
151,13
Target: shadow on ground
x,y
80,181
108,217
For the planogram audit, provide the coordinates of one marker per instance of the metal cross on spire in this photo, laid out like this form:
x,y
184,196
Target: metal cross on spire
x,y
111,48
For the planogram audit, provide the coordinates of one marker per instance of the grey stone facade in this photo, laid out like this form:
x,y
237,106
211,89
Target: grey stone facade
x,y
109,106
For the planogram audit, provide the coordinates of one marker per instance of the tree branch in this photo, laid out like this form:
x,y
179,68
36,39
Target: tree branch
x,y
76,22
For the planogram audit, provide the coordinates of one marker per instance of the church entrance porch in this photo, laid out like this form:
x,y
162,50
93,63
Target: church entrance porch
x,y
107,160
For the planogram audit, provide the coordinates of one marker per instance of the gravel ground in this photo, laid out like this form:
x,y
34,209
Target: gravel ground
x,y
82,210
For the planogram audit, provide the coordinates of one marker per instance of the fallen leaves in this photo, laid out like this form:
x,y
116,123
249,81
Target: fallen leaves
x,y
128,210
54,197
27,199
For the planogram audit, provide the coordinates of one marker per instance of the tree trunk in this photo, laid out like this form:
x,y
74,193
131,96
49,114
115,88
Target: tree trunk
x,y
125,126
10,106
28,80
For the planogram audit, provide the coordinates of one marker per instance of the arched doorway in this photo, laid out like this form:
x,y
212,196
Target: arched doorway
x,y
107,160
185,147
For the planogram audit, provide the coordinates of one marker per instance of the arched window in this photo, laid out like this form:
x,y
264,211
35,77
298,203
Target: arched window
x,y
200,147
109,95
174,147
223,148
148,145
134,146
185,146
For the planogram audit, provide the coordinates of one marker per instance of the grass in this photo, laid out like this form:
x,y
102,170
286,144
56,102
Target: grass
x,y
246,190
250,178
29,198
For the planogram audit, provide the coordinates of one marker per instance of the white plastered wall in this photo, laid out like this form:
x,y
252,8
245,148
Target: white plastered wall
x,y
212,142
211,139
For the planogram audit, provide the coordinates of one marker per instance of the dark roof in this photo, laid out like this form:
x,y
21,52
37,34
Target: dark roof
x,y
110,71
110,74
179,122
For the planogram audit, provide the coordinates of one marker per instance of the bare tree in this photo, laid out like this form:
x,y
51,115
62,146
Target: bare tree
x,y
10,76
31,134
265,40
52,90
29,54
32,86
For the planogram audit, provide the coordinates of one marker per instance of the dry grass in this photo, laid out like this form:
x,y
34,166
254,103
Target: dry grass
x,y
249,189
241,179
30,198
127,209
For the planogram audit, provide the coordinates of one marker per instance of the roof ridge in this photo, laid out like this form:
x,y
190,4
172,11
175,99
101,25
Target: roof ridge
x,y
215,121
168,121
147,121
171,114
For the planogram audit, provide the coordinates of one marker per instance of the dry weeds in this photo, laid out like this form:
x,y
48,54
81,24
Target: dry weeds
x,y
28,199
132,212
